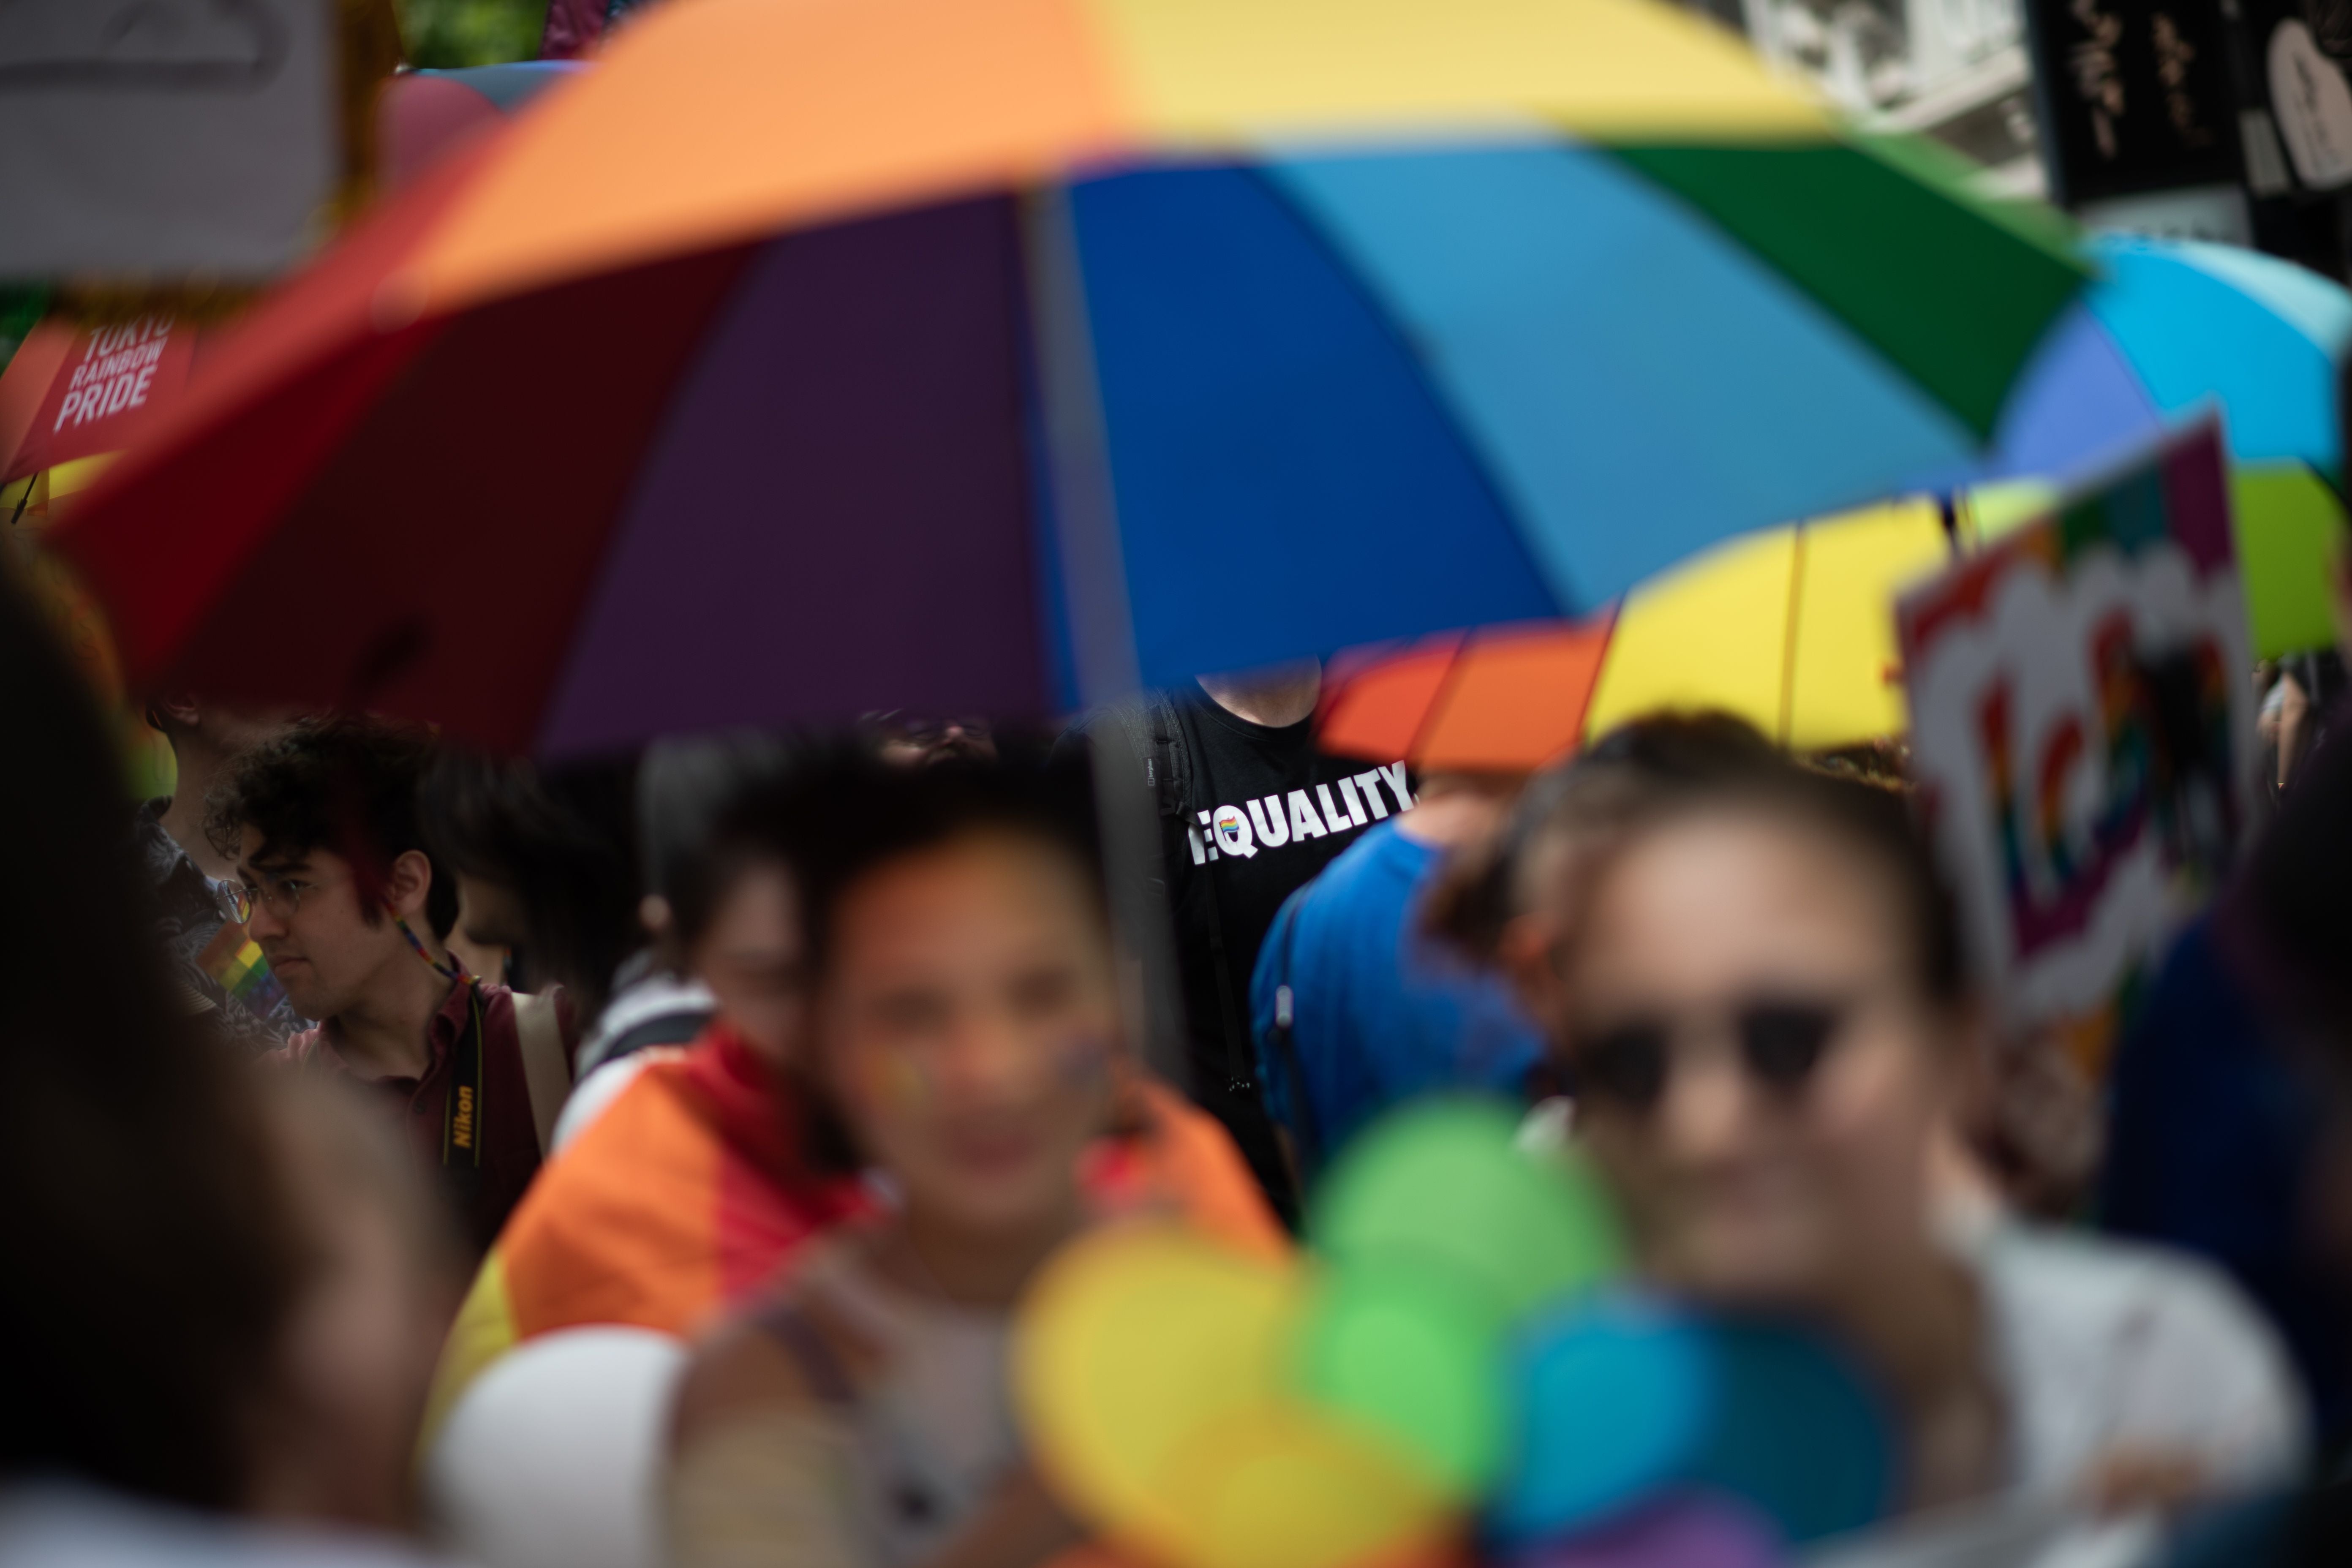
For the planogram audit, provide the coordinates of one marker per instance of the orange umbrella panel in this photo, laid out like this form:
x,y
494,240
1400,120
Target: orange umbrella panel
x,y
1502,701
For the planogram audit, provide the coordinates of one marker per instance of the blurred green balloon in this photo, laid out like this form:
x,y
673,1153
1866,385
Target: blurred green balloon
x,y
1416,1359
1442,1186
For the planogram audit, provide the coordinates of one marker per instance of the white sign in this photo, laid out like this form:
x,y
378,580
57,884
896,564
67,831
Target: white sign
x,y
147,137
2314,106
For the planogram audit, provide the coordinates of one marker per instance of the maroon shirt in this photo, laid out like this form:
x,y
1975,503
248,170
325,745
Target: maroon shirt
x,y
483,1195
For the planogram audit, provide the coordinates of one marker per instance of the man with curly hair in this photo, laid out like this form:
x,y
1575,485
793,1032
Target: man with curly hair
x,y
353,911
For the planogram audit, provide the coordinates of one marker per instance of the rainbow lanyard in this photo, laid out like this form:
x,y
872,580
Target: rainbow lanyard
x,y
453,970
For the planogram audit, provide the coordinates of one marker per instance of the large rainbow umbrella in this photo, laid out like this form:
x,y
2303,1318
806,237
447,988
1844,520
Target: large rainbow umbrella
x,y
998,354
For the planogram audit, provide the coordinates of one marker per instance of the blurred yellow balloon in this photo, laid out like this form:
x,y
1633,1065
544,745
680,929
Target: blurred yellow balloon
x,y
1137,1341
1282,1485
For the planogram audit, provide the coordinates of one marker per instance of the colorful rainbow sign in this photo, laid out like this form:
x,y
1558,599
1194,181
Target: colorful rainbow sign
x,y
2083,732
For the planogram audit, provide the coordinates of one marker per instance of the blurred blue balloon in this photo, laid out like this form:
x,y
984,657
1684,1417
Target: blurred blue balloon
x,y
1795,1431
1614,1399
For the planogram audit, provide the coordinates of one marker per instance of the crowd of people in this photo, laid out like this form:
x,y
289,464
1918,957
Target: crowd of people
x,y
363,1063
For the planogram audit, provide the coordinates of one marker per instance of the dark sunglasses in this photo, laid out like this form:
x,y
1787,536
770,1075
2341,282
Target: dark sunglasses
x,y
1781,1041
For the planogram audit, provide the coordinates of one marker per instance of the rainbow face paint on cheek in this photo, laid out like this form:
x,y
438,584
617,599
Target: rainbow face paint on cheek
x,y
898,1081
1082,1061
894,1081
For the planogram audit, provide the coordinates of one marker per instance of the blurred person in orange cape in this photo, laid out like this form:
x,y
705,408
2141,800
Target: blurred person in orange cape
x,y
694,1184
965,1050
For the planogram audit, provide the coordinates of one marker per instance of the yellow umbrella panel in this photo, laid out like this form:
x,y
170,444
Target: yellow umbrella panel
x,y
1792,630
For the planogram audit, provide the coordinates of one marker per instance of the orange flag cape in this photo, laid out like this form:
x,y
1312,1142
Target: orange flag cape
x,y
691,1189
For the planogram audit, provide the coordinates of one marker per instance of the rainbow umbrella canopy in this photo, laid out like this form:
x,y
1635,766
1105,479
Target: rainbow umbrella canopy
x,y
2169,329
1000,354
1792,628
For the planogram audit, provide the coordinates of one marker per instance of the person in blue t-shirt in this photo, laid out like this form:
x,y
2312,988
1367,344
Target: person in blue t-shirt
x,y
1354,1009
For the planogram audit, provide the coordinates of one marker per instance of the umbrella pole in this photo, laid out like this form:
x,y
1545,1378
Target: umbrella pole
x,y
1084,532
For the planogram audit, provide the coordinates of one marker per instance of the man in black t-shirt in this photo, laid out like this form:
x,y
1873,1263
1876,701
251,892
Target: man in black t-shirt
x,y
1249,810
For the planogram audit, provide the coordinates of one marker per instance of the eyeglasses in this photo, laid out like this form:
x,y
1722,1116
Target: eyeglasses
x,y
1780,1041
283,895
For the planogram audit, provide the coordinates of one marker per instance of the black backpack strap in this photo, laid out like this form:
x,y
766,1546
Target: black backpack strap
x,y
1241,1053
1282,1036
1167,760
1157,734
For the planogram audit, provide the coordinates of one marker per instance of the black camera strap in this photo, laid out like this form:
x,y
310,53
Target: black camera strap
x,y
464,1104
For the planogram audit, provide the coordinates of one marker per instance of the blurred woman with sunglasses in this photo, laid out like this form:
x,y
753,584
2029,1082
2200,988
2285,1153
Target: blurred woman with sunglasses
x,y
1754,985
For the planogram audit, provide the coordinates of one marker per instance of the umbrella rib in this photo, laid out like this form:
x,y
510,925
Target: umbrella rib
x,y
1788,635
1482,463
1810,290
634,492
1446,681
1577,736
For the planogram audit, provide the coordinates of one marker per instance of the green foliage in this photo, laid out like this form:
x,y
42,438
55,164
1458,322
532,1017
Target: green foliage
x,y
445,33
21,305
